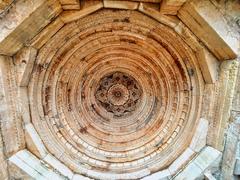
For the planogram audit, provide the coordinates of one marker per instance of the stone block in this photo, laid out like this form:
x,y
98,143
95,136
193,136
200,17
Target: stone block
x,y
164,174
24,21
36,140
120,5
237,168
24,60
209,65
171,7
69,16
187,36
33,166
181,161
40,39
191,172
208,24
144,8
208,157
65,171
79,177
200,136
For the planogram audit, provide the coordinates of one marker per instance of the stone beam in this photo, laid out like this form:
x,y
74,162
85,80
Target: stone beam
x,y
10,119
171,7
209,65
148,1
225,93
41,38
70,4
209,25
145,9
24,20
24,60
120,4
33,166
69,16
206,159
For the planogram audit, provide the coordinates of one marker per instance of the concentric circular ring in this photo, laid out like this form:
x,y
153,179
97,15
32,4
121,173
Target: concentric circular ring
x,y
114,95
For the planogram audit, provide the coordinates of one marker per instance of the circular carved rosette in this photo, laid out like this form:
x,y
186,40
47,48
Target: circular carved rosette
x,y
112,92
118,93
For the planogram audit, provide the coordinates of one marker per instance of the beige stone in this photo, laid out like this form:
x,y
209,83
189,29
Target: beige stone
x,y
209,25
11,121
187,36
110,89
24,15
171,7
157,15
40,39
227,82
120,4
69,16
25,59
209,65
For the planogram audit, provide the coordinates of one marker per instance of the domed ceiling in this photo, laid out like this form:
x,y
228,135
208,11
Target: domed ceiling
x,y
116,91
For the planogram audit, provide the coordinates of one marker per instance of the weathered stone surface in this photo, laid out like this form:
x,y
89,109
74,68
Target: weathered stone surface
x,y
120,4
69,16
79,177
16,173
3,160
236,99
181,161
110,89
10,118
70,4
207,158
165,174
187,36
200,137
147,1
24,60
208,176
230,151
25,15
225,88
40,39
144,8
192,171
209,65
33,166
171,7
209,25
65,171
5,5
236,170
36,141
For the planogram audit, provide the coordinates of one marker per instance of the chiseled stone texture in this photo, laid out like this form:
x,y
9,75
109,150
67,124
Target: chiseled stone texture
x,y
208,158
231,151
119,89
23,21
